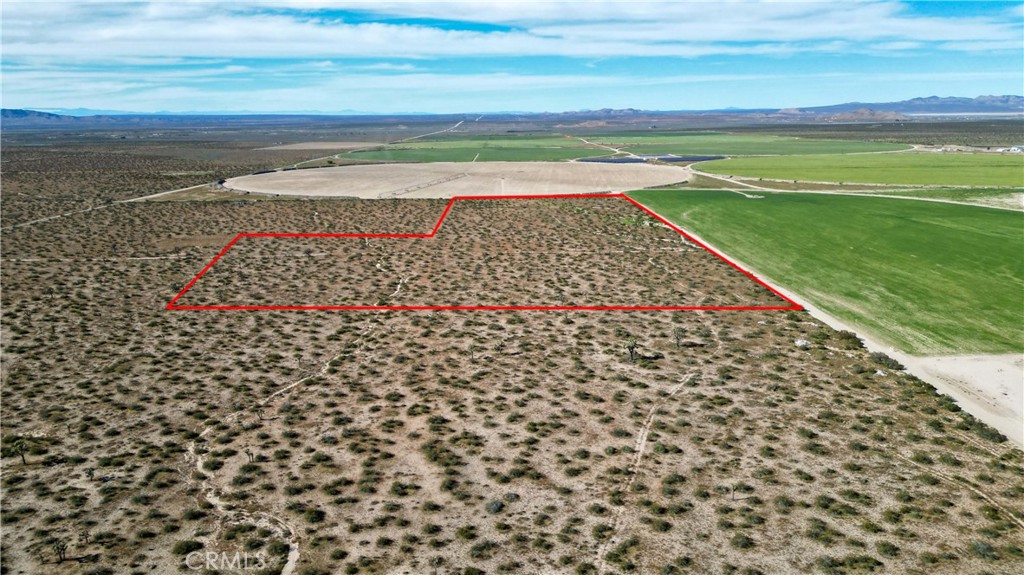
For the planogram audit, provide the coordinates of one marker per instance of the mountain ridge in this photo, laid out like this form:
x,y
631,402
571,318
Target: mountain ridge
x,y
849,111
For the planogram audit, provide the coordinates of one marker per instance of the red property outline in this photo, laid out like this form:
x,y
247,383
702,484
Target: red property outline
x,y
172,305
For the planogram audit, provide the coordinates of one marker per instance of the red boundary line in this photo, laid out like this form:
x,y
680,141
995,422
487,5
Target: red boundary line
x,y
172,305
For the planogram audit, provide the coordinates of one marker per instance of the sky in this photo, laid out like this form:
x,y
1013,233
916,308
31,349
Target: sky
x,y
462,57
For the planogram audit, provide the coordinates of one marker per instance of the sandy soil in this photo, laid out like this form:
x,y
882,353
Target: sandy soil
x,y
989,387
999,379
447,179
322,146
1014,201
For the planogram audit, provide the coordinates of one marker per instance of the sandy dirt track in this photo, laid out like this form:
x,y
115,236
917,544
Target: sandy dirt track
x,y
447,179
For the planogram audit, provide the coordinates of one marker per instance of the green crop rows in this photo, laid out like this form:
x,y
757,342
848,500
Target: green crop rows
x,y
714,143
909,168
930,278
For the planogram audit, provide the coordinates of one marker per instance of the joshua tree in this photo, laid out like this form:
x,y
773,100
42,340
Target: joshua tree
x,y
631,347
60,549
732,491
679,334
20,447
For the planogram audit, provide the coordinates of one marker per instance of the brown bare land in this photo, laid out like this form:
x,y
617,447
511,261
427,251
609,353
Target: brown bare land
x,y
321,146
482,249
447,179
387,442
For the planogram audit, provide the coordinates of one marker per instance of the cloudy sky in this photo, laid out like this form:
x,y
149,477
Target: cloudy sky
x,y
391,57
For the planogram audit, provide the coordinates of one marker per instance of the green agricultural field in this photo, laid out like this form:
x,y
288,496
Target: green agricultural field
x,y
929,278
484,149
909,168
717,143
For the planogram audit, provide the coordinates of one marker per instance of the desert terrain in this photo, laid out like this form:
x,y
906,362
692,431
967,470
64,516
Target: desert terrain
x,y
444,442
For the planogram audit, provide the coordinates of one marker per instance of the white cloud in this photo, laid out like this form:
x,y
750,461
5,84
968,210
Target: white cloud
x,y
387,67
982,45
420,91
192,29
196,54
896,46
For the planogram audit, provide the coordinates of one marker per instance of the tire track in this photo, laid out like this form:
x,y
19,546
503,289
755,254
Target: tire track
x,y
259,518
639,444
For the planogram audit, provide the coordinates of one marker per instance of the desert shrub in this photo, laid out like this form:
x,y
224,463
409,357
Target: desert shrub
x,y
833,507
848,340
989,434
661,526
849,564
821,532
602,531
186,546
741,541
886,361
815,448
403,489
872,527
922,458
620,554
278,547
887,549
857,497
193,514
483,549
984,550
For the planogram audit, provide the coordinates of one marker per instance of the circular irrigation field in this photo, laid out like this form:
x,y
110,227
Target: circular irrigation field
x,y
448,179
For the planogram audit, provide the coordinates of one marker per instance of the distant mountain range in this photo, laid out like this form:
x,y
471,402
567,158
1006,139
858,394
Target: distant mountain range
x,y
933,105
8,114
848,112
22,119
929,105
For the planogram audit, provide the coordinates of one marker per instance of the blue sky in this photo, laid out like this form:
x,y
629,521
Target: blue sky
x,y
394,57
